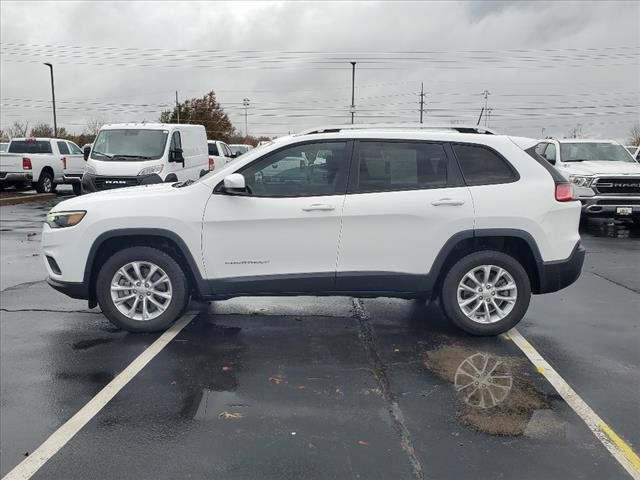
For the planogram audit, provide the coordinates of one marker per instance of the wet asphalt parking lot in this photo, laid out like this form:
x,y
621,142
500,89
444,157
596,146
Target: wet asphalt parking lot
x,y
305,387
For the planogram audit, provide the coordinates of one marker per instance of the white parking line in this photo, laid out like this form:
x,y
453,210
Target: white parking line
x,y
620,450
67,431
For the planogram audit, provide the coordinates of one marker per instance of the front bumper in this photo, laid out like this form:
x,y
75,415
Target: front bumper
x,y
97,183
607,206
559,274
79,290
16,177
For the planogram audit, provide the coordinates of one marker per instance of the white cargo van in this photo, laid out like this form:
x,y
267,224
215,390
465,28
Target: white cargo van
x,y
125,155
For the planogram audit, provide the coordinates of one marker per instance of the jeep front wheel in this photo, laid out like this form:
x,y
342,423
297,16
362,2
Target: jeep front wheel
x,y
142,289
486,293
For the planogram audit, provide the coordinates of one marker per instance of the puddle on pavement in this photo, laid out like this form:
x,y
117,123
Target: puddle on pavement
x,y
511,416
610,228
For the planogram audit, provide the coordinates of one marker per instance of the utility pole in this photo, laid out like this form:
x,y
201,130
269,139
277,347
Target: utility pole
x,y
353,91
53,95
489,110
542,132
245,102
421,100
177,106
486,94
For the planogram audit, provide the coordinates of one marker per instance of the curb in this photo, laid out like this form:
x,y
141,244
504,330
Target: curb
x,y
26,198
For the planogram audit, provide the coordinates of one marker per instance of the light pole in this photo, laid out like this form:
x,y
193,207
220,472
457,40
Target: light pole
x,y
486,94
53,94
245,102
353,91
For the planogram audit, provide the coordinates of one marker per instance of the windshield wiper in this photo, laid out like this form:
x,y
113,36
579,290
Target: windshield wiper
x,y
103,154
135,156
577,160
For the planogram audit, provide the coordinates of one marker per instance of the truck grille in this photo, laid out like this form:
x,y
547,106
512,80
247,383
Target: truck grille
x,y
617,186
107,183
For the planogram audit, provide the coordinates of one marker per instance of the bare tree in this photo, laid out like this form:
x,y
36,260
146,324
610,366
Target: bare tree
x,y
634,135
94,125
18,129
3,135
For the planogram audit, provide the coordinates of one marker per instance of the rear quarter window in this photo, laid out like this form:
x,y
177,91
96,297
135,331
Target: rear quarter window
x,y
482,166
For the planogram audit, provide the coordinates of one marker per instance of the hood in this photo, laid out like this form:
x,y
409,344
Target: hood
x,y
606,167
141,192
127,168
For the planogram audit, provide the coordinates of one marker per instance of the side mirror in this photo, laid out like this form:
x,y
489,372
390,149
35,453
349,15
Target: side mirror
x,y
235,183
176,155
87,152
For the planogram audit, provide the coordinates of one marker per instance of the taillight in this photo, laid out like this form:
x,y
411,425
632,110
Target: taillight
x,y
64,163
212,165
26,163
564,192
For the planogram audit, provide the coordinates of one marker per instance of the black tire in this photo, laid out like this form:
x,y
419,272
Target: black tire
x,y
179,286
449,293
77,188
45,183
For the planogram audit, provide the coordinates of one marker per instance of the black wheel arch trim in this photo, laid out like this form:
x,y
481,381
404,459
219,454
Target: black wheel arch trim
x,y
200,284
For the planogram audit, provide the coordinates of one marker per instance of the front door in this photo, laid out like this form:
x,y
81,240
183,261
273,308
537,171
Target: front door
x,y
282,236
405,200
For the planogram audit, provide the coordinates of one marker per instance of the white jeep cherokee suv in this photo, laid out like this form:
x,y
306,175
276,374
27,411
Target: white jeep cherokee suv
x,y
478,220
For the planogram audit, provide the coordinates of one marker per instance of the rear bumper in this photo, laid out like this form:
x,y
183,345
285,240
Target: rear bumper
x,y
557,275
71,289
607,206
11,177
72,178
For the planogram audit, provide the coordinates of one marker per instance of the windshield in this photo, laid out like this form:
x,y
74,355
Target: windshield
x,y
239,149
30,146
582,151
132,144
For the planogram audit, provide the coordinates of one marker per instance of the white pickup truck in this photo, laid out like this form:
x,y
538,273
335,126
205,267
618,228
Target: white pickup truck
x,y
605,175
42,163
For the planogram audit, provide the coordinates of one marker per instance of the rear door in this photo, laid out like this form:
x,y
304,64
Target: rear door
x,y
75,160
405,200
283,235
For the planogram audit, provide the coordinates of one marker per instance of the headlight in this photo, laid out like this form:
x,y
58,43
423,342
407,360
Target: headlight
x,y
90,169
580,181
151,170
64,219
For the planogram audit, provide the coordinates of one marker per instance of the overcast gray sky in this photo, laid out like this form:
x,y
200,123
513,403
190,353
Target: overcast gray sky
x,y
549,65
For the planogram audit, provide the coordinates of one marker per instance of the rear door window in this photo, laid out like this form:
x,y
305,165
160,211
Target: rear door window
x,y
385,166
30,146
62,146
213,149
482,166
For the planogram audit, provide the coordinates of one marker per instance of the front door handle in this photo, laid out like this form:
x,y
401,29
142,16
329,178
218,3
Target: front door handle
x,y
447,201
324,207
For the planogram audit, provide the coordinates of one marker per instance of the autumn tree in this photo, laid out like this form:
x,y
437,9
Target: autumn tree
x,y
205,111
42,130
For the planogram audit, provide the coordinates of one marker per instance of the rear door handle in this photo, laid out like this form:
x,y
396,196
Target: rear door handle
x,y
447,201
324,207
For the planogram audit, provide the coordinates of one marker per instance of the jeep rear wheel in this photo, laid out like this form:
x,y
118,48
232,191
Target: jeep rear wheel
x,y
486,293
142,289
